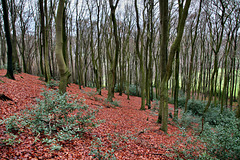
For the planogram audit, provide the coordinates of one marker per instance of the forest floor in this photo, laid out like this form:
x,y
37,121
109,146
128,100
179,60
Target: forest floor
x,y
130,132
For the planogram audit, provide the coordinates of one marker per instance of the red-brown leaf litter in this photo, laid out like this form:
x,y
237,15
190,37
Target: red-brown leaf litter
x,y
144,139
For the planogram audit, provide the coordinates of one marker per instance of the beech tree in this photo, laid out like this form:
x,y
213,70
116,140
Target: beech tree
x,y
114,59
166,63
140,56
8,38
193,40
63,69
44,35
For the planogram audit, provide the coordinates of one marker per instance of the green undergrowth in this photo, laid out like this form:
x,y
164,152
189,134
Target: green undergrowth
x,y
220,134
114,103
115,142
185,146
52,84
133,90
55,118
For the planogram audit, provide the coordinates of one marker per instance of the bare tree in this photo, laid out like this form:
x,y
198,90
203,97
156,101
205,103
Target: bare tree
x,y
8,38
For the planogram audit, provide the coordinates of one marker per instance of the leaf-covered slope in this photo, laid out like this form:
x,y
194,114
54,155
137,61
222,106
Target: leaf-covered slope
x,y
131,133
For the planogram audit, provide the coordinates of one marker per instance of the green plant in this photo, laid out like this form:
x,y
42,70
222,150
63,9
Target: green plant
x,y
97,151
181,101
56,147
56,115
3,66
114,103
196,107
11,124
214,116
133,90
117,88
91,84
221,132
91,93
223,140
187,120
155,105
52,84
17,68
10,139
12,128
189,149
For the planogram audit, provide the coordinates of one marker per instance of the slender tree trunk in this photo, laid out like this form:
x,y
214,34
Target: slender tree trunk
x,y
140,56
45,34
128,74
112,73
189,81
64,36
176,86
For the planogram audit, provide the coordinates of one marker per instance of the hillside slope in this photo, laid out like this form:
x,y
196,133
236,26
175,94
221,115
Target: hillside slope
x,y
132,133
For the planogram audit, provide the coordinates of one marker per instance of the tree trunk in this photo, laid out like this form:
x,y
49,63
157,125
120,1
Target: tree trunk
x,y
176,87
112,73
189,81
63,70
167,67
15,59
140,56
8,38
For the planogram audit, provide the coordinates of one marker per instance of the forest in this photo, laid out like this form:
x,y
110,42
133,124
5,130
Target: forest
x,y
120,79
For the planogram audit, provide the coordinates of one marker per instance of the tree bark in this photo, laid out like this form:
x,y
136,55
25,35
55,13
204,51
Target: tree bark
x,y
63,70
167,67
112,73
8,38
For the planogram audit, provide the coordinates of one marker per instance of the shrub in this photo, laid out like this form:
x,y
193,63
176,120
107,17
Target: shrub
x,y
52,84
221,131
155,105
223,140
171,100
52,114
54,117
133,90
117,88
187,120
196,106
114,103
91,93
91,84
97,151
181,101
185,146
3,66
181,93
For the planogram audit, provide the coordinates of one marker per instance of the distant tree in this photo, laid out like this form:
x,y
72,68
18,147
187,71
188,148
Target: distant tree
x,y
216,38
141,58
193,40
